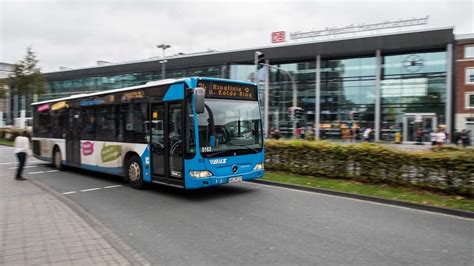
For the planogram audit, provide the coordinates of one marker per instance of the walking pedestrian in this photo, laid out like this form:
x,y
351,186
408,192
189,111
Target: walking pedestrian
x,y
419,136
276,134
309,134
22,148
457,137
440,138
464,136
272,132
366,134
433,138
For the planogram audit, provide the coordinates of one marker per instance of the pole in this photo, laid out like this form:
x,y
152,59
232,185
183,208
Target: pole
x,y
163,67
378,73
267,97
295,103
317,113
449,90
163,60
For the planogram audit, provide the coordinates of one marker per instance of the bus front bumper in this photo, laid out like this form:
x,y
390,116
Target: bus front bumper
x,y
194,183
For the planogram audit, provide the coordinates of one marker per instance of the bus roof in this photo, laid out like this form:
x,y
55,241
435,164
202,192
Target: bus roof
x,y
193,80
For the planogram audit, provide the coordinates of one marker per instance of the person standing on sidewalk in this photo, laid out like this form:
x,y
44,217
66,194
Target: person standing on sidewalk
x,y
22,148
464,136
440,138
433,138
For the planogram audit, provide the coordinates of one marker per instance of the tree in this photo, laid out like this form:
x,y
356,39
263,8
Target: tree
x,y
27,79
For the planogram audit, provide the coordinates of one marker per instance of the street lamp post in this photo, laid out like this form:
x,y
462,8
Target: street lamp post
x,y
163,60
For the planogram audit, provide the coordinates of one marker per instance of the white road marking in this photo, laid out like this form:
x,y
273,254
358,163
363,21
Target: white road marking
x,y
366,201
35,173
28,162
52,171
91,189
28,166
113,186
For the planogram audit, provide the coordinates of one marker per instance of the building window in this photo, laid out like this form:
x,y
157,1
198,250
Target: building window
x,y
470,75
469,100
469,51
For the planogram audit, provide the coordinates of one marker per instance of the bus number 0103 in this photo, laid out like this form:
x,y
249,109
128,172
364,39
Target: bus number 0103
x,y
206,149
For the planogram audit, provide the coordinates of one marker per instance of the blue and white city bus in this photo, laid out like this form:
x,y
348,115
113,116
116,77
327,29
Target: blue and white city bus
x,y
189,133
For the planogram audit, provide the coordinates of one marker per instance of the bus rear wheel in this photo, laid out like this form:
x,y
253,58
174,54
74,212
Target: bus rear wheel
x,y
134,173
57,160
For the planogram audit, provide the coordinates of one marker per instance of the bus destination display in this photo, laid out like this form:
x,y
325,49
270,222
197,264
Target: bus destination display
x,y
229,90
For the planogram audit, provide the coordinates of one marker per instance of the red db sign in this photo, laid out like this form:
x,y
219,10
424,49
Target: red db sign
x,y
278,36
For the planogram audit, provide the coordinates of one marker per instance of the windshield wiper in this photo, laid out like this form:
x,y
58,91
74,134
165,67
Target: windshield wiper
x,y
230,150
246,146
216,153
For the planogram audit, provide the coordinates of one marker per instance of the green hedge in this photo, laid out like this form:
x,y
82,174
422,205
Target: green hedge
x,y
10,134
450,171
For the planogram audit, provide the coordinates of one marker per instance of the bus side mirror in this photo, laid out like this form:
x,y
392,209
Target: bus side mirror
x,y
199,94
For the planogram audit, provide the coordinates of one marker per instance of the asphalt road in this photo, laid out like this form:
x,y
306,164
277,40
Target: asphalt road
x,y
254,224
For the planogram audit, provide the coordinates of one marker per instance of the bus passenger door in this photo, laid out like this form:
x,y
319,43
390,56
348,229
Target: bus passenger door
x,y
73,142
175,132
157,141
166,142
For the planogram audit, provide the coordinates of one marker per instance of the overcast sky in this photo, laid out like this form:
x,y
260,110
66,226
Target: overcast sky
x,y
78,33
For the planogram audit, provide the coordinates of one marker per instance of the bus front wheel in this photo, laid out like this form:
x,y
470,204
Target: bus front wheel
x,y
134,173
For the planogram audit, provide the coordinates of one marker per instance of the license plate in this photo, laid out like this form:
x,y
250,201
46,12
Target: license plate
x,y
235,179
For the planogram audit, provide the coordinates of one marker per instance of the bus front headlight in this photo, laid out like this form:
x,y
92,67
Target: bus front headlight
x,y
200,174
259,166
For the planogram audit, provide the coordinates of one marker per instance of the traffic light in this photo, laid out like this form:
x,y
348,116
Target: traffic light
x,y
355,116
259,59
295,113
298,113
291,113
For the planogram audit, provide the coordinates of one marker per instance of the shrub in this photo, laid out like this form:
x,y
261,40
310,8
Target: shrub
x,y
9,133
448,171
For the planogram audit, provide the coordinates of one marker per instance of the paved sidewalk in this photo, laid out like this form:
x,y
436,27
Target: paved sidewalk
x,y
37,228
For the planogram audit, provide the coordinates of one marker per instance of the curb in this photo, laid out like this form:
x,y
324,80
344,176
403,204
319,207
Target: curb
x,y
128,252
459,213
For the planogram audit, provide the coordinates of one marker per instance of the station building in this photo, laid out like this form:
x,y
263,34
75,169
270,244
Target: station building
x,y
396,82
464,104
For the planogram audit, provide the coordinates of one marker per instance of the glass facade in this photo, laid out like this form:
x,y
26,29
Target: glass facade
x,y
281,95
347,97
413,89
412,92
65,88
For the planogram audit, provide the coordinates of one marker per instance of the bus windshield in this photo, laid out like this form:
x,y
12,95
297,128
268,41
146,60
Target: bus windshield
x,y
230,127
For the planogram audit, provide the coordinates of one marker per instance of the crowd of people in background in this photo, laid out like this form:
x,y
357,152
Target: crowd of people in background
x,y
464,137
437,137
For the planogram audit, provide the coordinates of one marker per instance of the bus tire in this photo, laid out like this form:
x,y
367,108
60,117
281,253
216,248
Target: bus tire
x,y
57,159
134,172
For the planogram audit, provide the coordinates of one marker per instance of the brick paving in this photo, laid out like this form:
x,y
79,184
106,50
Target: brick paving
x,y
37,228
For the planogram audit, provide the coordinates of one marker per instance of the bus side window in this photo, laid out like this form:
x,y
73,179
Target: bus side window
x,y
133,119
44,124
58,123
105,117
88,124
120,123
